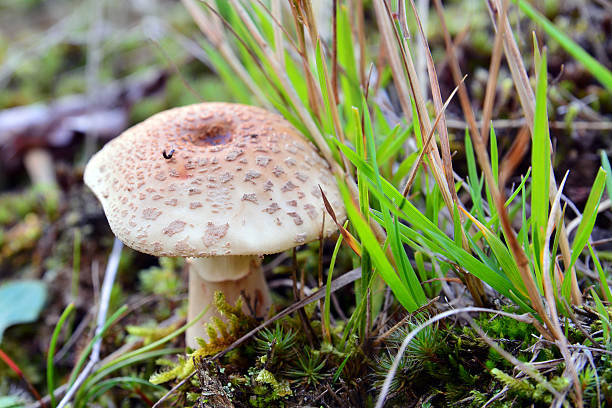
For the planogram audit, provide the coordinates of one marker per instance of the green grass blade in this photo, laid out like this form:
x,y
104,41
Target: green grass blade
x,y
395,144
605,289
85,354
51,353
473,179
494,170
330,273
599,71
406,271
605,163
540,160
588,216
369,242
104,386
603,315
502,254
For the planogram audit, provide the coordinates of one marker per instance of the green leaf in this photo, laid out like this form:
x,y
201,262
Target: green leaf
x,y
20,302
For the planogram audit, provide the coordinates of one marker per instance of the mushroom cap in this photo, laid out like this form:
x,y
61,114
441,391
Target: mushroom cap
x,y
238,181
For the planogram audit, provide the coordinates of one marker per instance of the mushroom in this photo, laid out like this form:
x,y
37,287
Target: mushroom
x,y
221,184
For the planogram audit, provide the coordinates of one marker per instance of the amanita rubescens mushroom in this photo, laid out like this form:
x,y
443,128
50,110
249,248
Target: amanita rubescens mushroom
x,y
221,184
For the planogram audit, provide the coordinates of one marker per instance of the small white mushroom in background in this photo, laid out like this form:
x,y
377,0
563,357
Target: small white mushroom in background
x,y
221,184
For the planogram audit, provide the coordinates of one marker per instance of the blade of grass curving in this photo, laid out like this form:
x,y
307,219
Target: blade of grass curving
x,y
503,256
588,216
103,372
379,259
408,212
51,353
599,71
77,368
106,385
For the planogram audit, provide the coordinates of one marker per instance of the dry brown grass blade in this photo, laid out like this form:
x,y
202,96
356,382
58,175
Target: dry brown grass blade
x,y
549,294
284,81
404,73
212,28
419,160
348,237
331,95
487,108
518,149
393,58
334,79
437,98
315,100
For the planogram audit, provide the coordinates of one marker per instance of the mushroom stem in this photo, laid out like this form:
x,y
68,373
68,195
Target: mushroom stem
x,y
245,278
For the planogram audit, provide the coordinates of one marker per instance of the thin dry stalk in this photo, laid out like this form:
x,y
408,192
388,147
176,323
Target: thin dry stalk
x,y
315,100
487,108
417,164
334,79
212,28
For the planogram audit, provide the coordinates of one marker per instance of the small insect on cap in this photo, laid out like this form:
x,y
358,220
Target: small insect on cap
x,y
213,179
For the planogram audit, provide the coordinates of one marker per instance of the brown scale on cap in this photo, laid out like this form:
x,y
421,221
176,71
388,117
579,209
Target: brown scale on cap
x,y
232,169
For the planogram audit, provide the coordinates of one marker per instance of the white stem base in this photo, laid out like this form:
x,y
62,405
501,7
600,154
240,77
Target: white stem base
x,y
251,284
